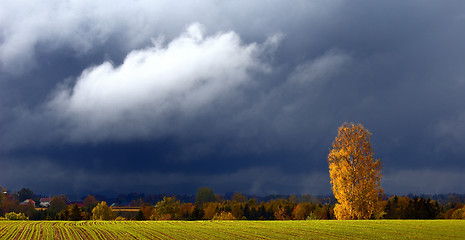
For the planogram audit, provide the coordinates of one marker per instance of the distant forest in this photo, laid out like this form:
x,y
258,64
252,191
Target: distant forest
x,y
206,205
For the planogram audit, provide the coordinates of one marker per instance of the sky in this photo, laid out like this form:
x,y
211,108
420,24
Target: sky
x,y
238,96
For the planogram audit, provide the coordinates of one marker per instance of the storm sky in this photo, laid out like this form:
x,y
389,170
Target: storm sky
x,y
239,96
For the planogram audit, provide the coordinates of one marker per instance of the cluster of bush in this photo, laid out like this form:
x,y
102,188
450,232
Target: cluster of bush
x,y
14,216
209,206
279,209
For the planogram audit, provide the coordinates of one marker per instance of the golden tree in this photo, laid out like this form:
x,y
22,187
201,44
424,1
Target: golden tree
x,y
102,212
355,175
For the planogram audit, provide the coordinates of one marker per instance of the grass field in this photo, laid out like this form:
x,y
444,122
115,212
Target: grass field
x,y
371,229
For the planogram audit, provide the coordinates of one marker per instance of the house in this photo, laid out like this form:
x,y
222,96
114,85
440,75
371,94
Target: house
x,y
27,202
45,202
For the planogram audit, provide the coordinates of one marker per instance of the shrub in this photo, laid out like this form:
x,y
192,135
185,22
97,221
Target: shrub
x,y
224,216
459,213
119,218
167,209
102,212
15,216
281,214
312,216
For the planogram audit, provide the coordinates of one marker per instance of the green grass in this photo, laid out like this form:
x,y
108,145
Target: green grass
x,y
332,229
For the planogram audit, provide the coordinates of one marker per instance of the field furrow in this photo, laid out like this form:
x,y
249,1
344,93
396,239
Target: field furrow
x,y
369,229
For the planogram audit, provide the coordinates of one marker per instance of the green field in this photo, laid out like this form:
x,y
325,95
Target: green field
x,y
319,229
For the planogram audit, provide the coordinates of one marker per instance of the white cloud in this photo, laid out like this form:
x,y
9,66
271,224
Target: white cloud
x,y
158,85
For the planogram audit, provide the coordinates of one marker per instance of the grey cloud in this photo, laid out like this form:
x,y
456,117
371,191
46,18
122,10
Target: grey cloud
x,y
424,181
86,26
250,180
318,69
449,132
394,66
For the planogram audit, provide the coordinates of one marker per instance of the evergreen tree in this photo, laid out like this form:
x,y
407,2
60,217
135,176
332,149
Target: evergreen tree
x,y
140,215
197,213
76,213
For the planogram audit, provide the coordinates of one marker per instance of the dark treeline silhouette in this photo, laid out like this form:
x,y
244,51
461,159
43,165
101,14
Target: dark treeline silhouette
x,y
407,208
205,205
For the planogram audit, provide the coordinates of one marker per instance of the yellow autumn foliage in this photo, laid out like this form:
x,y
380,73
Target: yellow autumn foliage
x,y
355,175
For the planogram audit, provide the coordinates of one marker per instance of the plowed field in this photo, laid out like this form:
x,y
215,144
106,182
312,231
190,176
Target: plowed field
x,y
371,229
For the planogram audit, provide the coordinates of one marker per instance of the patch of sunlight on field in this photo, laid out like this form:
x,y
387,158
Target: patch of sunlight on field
x,y
320,229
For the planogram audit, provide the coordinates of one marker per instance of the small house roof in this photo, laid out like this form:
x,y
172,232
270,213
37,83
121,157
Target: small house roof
x,y
27,201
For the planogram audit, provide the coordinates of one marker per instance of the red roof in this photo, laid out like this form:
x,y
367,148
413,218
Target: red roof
x,y
45,199
27,201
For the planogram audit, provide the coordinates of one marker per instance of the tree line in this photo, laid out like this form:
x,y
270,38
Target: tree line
x,y
208,206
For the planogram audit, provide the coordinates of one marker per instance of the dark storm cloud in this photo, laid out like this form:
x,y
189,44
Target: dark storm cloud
x,y
241,96
251,180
